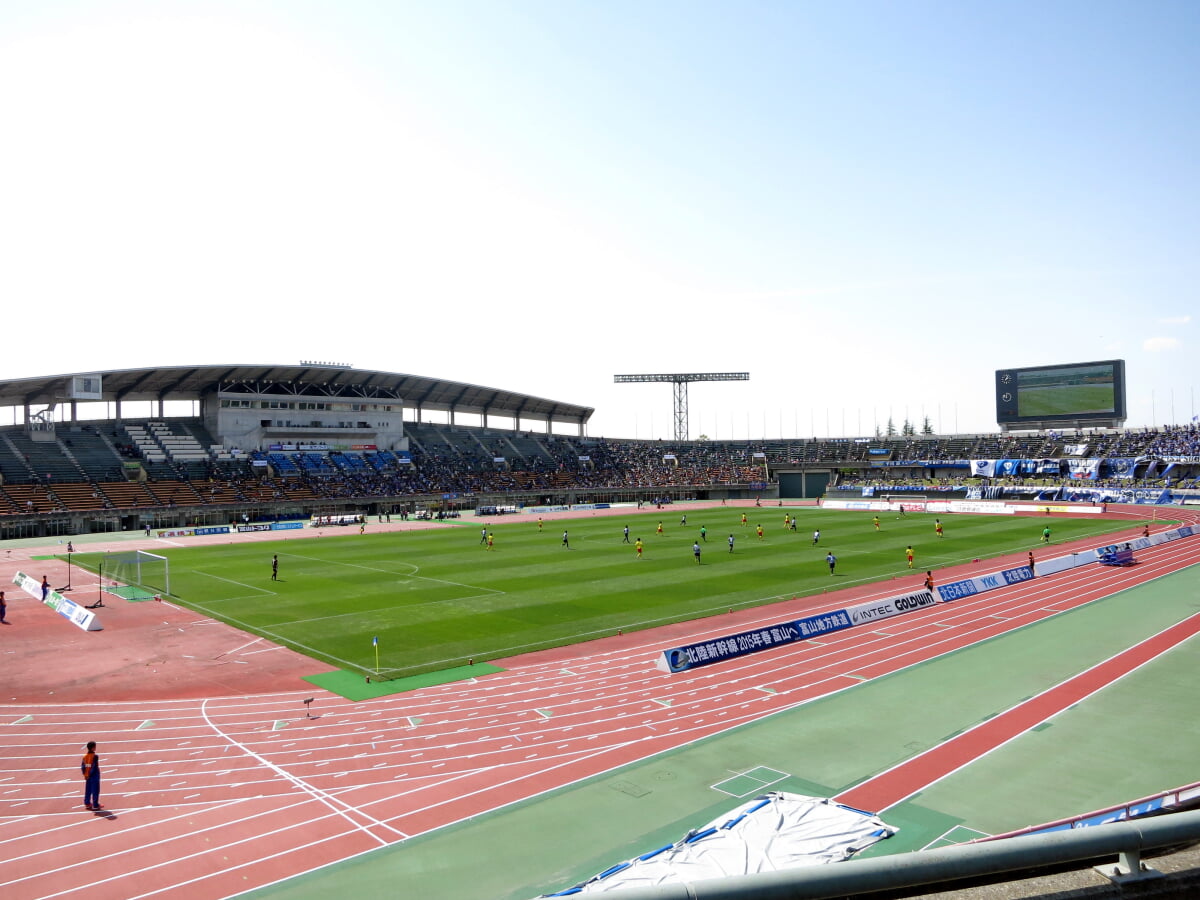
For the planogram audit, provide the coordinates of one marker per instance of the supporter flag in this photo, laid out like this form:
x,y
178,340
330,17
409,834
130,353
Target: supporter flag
x,y
1121,466
985,468
1084,469
1006,467
1075,449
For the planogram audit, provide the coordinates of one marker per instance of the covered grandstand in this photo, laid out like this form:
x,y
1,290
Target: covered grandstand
x,y
201,445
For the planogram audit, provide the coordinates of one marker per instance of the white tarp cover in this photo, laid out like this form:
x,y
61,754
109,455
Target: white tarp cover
x,y
774,831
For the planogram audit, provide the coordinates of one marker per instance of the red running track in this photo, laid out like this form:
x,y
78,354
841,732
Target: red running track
x,y
213,797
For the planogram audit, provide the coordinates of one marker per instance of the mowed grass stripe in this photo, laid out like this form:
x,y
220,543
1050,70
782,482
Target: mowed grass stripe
x,y
438,598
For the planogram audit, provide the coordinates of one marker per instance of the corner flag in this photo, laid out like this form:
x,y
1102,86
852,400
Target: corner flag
x,y
375,644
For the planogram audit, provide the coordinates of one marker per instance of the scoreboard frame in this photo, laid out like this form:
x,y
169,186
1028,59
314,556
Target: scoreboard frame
x,y
1064,394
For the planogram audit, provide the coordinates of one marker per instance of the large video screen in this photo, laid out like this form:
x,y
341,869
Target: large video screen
x,y
1062,393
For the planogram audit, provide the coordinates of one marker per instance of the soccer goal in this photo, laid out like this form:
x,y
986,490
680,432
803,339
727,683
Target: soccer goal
x,y
135,574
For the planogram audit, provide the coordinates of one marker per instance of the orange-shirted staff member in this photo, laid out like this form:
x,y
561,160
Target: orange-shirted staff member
x,y
90,767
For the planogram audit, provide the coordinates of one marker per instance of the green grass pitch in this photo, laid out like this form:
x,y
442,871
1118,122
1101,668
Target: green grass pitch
x,y
437,598
1057,400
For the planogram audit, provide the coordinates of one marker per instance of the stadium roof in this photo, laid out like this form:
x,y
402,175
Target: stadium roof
x,y
307,379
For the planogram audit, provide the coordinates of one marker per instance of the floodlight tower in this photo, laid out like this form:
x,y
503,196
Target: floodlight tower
x,y
681,381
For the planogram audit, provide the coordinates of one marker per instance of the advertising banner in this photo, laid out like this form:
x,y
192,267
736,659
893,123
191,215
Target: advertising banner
x,y
68,609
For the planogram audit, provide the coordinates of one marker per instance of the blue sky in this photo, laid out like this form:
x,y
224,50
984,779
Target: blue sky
x,y
870,207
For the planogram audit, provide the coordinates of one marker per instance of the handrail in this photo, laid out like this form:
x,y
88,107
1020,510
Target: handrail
x,y
944,864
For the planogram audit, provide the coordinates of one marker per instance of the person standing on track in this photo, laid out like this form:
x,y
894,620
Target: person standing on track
x,y
929,581
1031,568
3,609
90,767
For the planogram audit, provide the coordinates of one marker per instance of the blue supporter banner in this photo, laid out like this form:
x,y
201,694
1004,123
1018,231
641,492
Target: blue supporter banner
x,y
213,529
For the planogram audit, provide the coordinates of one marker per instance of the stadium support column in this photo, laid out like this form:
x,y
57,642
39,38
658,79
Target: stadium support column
x,y
680,382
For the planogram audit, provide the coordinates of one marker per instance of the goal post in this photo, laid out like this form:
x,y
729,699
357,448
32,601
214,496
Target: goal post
x,y
136,574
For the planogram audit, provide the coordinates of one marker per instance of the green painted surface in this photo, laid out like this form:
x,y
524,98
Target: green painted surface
x,y
354,686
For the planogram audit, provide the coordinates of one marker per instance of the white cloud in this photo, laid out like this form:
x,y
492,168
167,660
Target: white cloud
x,y
1175,320
1160,344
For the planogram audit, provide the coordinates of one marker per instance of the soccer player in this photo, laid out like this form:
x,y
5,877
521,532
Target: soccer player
x,y
832,560
638,547
696,551
731,543
659,529
491,537
744,522
787,521
908,552
817,536
875,520
758,529
565,542
539,523
937,527
275,567
483,535
626,541
683,520
704,534
1046,535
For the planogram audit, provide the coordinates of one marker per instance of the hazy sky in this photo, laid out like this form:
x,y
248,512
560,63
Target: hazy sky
x,y
868,206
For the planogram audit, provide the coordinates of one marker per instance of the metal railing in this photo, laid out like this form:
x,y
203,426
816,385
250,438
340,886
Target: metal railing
x,y
1125,841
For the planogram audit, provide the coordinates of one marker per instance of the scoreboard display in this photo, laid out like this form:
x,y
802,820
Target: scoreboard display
x,y
1061,394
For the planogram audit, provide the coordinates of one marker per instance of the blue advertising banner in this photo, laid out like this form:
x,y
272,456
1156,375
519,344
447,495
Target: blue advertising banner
x,y
680,659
